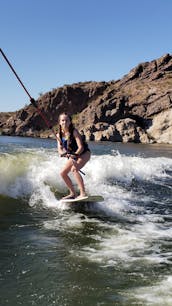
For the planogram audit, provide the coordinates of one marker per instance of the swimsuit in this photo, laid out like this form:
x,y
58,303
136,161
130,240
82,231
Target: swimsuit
x,y
72,146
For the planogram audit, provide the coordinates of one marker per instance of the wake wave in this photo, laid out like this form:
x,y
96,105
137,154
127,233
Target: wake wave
x,y
35,174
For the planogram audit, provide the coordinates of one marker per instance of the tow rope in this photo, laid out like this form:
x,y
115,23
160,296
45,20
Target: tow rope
x,y
32,100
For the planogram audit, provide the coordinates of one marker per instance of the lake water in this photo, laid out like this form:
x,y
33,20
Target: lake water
x,y
116,252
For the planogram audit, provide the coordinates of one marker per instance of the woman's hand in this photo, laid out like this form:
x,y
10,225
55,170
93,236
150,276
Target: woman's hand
x,y
73,156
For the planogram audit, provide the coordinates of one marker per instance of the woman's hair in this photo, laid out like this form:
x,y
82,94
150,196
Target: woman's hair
x,y
71,129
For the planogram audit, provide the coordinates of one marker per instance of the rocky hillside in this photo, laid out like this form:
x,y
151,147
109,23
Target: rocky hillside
x,y
136,108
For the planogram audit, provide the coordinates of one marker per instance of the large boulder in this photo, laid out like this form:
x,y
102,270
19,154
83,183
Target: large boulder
x,y
161,128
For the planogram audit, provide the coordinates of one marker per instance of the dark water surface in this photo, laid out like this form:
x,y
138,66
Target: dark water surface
x,y
116,252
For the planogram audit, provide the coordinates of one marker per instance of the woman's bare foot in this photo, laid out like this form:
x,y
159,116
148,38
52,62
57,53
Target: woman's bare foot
x,y
69,196
81,196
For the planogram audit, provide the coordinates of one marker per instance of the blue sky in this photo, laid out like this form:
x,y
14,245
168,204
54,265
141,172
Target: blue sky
x,y
57,42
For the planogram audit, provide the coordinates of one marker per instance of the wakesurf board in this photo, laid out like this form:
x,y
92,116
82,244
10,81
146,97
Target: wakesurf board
x,y
86,199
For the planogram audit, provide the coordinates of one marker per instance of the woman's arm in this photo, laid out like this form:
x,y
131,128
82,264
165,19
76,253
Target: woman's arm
x,y
79,142
60,148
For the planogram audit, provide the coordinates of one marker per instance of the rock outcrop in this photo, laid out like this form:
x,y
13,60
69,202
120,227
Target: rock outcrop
x,y
137,108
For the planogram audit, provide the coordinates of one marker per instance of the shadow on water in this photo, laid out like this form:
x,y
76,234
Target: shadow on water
x,y
158,191
10,209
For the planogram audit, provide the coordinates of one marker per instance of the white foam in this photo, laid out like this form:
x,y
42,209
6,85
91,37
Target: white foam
x,y
159,294
125,168
124,246
66,223
35,173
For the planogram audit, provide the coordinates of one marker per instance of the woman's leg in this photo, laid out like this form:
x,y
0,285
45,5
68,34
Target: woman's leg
x,y
77,165
80,183
66,178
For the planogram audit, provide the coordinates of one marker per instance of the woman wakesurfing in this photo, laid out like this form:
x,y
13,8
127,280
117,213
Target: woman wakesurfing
x,y
72,146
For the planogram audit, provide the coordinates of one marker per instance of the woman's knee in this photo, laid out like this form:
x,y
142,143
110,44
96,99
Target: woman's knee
x,y
74,169
63,173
